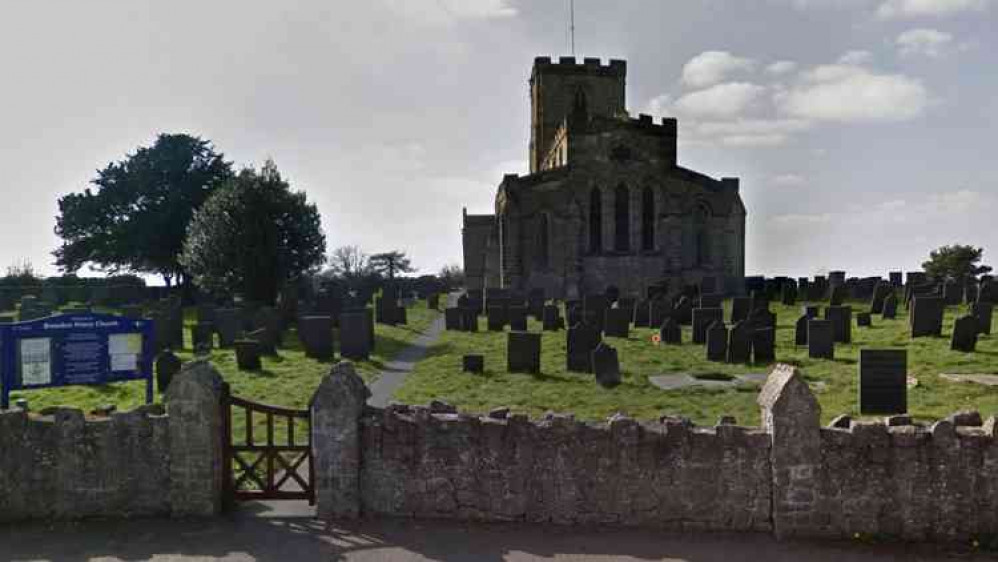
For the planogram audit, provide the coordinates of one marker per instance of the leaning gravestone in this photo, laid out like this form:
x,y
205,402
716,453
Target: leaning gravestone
x,y
927,316
550,316
247,355
890,310
523,352
820,339
800,330
883,381
618,323
763,345
452,319
964,334
670,332
581,340
984,312
316,335
228,325
717,342
473,363
703,318
739,343
838,296
355,341
517,318
167,365
606,365
841,319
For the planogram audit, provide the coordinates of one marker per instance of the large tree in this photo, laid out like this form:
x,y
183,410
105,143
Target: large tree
x,y
955,263
136,219
390,263
348,263
253,235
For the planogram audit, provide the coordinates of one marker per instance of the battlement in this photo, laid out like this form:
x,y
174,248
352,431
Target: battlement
x,y
565,65
668,127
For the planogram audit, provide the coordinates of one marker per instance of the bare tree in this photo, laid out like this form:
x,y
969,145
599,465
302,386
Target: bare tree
x,y
348,262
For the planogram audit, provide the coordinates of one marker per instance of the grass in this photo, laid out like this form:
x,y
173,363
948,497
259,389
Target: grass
x,y
287,380
439,376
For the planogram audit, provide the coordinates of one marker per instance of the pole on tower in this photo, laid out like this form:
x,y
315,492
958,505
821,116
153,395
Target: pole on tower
x,y
572,11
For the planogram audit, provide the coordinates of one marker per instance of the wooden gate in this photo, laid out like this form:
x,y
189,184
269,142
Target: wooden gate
x,y
267,451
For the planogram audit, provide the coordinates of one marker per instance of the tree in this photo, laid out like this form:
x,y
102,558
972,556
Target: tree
x,y
452,276
389,263
137,218
955,263
349,263
252,236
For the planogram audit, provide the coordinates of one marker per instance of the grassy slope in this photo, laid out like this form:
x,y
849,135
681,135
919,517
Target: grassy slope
x,y
440,376
287,380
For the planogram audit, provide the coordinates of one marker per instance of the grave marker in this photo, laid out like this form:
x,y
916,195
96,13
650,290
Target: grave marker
x,y
883,379
523,352
704,318
820,339
717,342
606,365
739,343
965,331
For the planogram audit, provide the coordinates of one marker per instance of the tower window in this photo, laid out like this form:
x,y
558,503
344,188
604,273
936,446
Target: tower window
x,y
647,219
595,221
622,219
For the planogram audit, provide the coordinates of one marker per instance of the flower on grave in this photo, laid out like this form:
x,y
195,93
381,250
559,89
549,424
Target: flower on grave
x,y
656,339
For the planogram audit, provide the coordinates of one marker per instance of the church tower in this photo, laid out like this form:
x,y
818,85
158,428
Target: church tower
x,y
560,89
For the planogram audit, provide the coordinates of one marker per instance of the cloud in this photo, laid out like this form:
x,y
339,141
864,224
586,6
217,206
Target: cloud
x,y
856,58
781,67
446,12
723,100
898,9
748,132
711,67
928,42
850,93
788,180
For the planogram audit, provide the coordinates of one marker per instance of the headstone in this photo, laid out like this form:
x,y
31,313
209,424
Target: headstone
x,y
841,319
952,293
883,381
683,311
606,365
789,295
469,319
551,315
452,319
703,318
264,340
964,334
763,345
523,352
641,314
812,311
316,335
759,301
927,316
879,296
800,330
247,355
837,296
740,309
473,364
820,339
739,343
167,365
671,332
496,318
897,278
863,319
618,323
517,318
228,326
202,337
355,339
762,318
658,311
717,342
890,310
984,312
581,340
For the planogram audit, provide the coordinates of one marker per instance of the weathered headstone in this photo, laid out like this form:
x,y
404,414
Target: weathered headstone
x,y
266,343
606,365
683,311
820,339
984,312
800,330
473,363
469,319
247,355
203,337
551,315
841,319
641,314
883,381
740,343
897,278
703,318
740,309
789,295
316,335
762,318
952,293
965,331
581,340
523,352
671,332
496,318
167,365
618,323
355,341
927,316
717,342
837,296
452,319
517,318
890,310
763,345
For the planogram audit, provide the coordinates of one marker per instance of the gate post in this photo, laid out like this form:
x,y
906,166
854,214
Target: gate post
x,y
336,408
194,409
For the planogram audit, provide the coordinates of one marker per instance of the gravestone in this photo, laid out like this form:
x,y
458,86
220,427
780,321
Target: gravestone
x,y
496,318
739,343
618,323
671,332
581,340
883,381
800,330
517,316
202,337
703,318
355,339
927,316
789,295
551,316
627,304
469,319
763,345
812,311
606,365
890,310
880,293
263,338
897,278
965,331
762,318
523,352
452,319
841,319
228,325
717,342
473,364
247,355
641,314
863,319
758,301
984,312
167,365
820,339
316,335
837,296
573,311
952,293
740,309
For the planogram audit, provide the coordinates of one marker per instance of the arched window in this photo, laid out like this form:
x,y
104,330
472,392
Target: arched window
x,y
595,221
543,241
701,232
622,219
647,219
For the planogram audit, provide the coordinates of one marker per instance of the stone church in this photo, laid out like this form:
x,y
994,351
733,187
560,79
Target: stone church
x,y
605,204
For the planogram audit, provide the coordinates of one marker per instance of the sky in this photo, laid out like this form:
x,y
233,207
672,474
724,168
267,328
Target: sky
x,y
862,130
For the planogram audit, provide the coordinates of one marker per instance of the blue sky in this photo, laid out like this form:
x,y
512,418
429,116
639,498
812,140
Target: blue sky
x,y
863,130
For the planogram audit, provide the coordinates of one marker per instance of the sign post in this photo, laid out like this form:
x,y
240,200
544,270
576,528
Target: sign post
x,y
75,349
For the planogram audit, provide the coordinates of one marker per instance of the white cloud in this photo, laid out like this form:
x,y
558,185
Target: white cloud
x,y
896,9
781,67
856,58
723,100
443,12
748,132
711,67
849,93
660,105
788,180
928,42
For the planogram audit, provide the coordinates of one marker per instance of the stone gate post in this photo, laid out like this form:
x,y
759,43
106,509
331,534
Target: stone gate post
x,y
336,409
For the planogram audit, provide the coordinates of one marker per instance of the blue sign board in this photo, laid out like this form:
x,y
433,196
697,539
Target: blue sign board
x,y
75,349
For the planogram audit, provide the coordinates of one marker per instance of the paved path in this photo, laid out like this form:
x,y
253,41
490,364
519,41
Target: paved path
x,y
297,539
399,368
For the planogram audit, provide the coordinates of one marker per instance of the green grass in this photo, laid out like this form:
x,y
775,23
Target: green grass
x,y
439,376
287,380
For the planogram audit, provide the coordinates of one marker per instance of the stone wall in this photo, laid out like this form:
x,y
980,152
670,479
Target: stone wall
x,y
140,463
791,477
